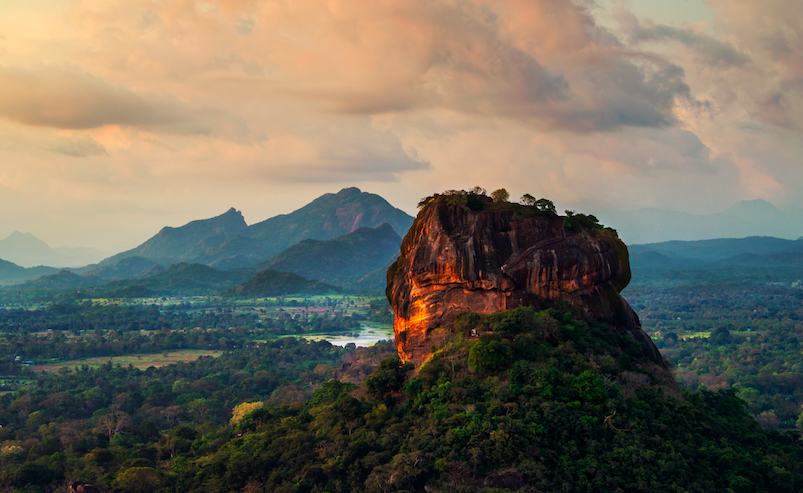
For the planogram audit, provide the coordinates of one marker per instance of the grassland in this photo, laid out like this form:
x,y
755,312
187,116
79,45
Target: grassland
x,y
141,361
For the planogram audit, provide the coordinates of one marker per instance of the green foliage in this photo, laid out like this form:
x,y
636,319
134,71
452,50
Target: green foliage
x,y
576,221
241,410
725,328
500,195
527,199
563,415
139,480
489,355
389,377
546,205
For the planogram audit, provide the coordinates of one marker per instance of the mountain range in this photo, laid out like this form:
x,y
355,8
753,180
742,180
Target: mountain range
x,y
753,251
335,239
226,241
26,250
347,240
746,218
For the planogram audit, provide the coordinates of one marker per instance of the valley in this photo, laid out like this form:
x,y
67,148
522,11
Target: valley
x,y
202,373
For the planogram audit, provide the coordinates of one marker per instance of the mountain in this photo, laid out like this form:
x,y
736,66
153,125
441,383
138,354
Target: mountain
x,y
181,279
227,242
327,217
60,280
353,255
720,248
11,273
746,218
126,268
26,250
268,283
372,283
492,256
188,242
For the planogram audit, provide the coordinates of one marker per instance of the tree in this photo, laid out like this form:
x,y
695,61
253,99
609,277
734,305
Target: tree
x,y
478,191
546,205
114,422
527,199
500,195
389,377
239,411
139,480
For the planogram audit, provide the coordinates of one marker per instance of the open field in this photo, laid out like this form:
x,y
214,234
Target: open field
x,y
141,361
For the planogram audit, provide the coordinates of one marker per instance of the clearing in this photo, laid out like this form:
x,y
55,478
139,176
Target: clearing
x,y
141,361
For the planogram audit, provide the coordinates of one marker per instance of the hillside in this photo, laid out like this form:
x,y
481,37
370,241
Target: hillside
x,y
29,251
720,248
179,279
227,242
125,268
26,250
269,283
545,403
188,242
327,217
11,273
335,261
60,280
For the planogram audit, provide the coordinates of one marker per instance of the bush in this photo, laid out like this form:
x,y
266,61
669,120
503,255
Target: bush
x,y
389,377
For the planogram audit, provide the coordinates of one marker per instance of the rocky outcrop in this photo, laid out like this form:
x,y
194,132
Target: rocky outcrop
x,y
455,259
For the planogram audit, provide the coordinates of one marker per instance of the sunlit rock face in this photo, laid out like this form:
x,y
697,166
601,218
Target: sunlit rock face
x,y
454,260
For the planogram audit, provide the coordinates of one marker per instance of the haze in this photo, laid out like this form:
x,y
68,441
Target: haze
x,y
120,117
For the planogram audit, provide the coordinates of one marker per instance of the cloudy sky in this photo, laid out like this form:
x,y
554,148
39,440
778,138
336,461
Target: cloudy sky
x,y
118,117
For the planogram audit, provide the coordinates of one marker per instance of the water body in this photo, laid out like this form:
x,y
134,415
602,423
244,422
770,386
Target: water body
x,y
367,336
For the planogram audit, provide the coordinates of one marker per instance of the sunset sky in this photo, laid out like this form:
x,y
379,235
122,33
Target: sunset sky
x,y
118,117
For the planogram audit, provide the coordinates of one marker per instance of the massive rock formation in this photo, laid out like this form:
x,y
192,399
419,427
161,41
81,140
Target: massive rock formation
x,y
503,256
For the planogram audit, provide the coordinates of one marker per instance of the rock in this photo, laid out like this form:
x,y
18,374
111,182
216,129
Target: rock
x,y
455,259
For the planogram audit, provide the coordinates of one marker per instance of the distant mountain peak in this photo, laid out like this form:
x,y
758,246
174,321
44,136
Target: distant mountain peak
x,y
26,250
754,206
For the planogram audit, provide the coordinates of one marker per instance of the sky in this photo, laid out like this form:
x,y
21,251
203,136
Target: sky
x,y
118,117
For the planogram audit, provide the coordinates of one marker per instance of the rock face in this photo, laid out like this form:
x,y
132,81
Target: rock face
x,y
454,259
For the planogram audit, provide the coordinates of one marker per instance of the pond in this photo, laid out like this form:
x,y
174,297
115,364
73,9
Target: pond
x,y
367,336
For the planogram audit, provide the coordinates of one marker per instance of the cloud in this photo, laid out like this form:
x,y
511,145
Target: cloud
x,y
58,98
474,61
544,63
77,147
548,97
245,25
69,99
710,50
35,142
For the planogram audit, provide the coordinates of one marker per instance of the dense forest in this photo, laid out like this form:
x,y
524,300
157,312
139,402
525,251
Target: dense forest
x,y
730,328
541,401
82,330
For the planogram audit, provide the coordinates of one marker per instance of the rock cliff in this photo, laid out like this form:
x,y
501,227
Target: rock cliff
x,y
499,257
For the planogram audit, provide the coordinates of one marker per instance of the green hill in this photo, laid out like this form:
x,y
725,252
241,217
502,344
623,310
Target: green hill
x,y
124,269
274,283
179,279
59,280
11,273
519,400
335,261
544,402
